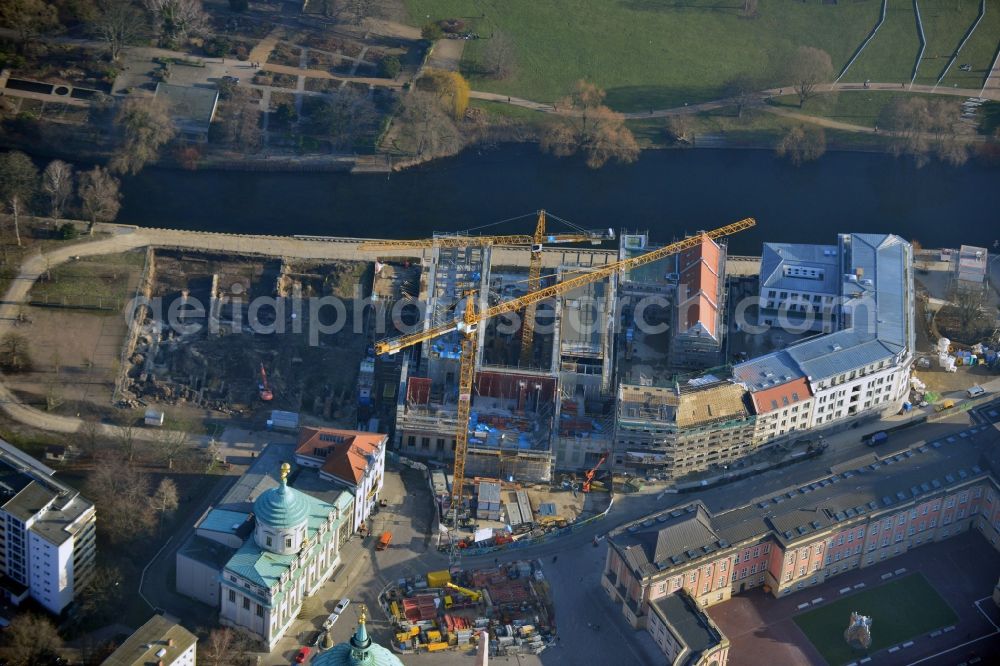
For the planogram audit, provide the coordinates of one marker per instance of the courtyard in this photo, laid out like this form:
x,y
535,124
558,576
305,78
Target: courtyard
x,y
807,627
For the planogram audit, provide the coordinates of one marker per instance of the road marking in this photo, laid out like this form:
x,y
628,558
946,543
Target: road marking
x,y
900,572
947,629
801,606
895,648
935,634
866,660
859,586
817,600
886,576
845,590
908,644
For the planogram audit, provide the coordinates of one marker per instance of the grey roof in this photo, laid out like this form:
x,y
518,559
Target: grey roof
x,y
489,492
668,539
778,258
856,488
689,624
28,489
206,551
767,370
877,290
141,647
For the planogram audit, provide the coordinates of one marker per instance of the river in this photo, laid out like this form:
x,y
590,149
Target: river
x,y
667,192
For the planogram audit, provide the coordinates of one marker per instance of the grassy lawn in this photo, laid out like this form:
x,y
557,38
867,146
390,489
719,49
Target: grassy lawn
x,y
858,107
649,53
899,610
945,23
105,279
891,55
979,52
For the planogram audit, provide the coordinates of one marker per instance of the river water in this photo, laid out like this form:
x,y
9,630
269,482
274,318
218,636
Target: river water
x,y
667,192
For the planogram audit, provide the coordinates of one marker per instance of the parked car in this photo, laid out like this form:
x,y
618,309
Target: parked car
x,y
342,606
302,655
975,391
331,620
235,80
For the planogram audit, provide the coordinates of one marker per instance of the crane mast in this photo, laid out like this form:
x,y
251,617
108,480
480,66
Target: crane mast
x,y
468,326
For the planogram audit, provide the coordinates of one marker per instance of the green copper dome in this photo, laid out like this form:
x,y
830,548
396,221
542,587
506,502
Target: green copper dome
x,y
282,507
359,651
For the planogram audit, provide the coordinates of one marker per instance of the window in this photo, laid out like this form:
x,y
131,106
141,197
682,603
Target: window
x,y
246,604
875,528
724,564
746,555
756,551
923,510
232,596
802,571
269,544
850,538
693,578
288,542
805,554
260,611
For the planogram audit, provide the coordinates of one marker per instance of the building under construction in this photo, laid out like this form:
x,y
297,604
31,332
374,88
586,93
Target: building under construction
x,y
518,399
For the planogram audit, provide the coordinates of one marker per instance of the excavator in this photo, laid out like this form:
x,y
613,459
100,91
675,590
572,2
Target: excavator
x,y
467,323
589,476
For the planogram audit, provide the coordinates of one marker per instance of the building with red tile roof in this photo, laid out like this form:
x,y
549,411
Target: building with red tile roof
x,y
697,328
350,458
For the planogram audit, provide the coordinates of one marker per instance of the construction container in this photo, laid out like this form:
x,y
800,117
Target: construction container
x,y
437,647
438,578
434,636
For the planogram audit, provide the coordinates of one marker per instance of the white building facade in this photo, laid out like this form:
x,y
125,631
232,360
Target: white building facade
x,y
293,551
47,533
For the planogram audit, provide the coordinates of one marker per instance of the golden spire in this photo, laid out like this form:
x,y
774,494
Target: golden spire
x,y
285,469
362,617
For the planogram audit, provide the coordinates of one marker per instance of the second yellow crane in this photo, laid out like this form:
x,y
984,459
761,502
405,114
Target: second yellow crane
x,y
468,326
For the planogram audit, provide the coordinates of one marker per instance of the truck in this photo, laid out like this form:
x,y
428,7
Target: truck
x,y
880,437
383,541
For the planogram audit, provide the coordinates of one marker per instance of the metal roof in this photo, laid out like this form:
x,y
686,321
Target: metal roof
x,y
875,288
858,488
779,261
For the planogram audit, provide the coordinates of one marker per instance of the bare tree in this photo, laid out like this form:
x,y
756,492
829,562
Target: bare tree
x,y
749,9
802,144
589,127
680,129
922,127
125,433
15,354
28,18
18,182
145,125
165,500
171,441
970,305
100,199
432,128
30,639
57,183
178,19
89,438
345,119
807,69
122,495
119,23
498,56
741,90
216,650
103,593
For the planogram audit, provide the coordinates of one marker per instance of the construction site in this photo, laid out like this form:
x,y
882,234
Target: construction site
x,y
242,336
446,610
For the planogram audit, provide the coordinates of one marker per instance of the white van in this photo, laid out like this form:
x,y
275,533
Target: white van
x,y
975,391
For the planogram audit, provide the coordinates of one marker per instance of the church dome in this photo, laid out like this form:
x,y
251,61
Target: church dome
x,y
359,651
282,507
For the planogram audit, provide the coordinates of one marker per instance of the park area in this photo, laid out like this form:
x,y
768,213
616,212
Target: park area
x,y
663,53
900,610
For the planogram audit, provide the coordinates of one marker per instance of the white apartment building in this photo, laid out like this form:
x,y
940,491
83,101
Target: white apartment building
x,y
159,641
796,280
863,366
47,533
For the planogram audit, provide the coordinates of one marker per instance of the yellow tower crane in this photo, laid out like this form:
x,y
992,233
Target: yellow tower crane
x,y
537,243
468,326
